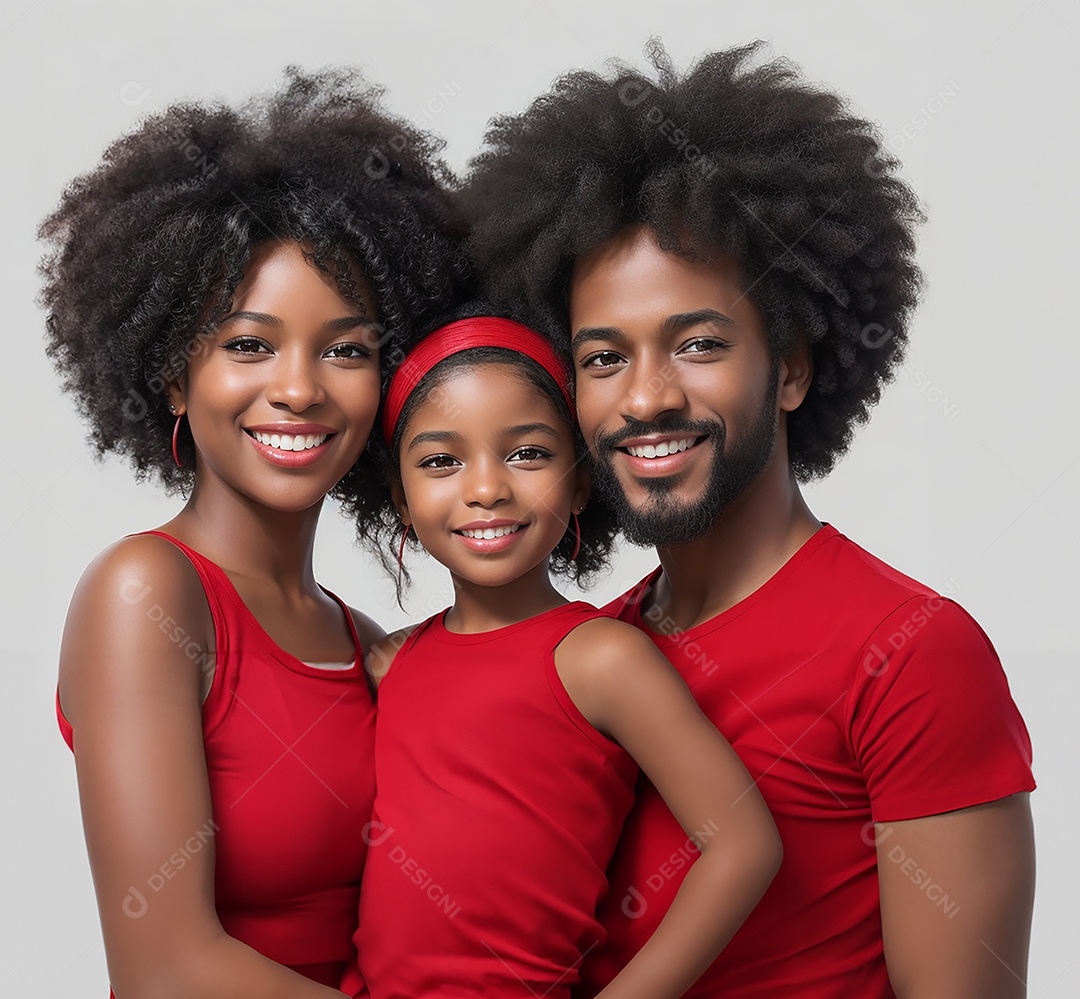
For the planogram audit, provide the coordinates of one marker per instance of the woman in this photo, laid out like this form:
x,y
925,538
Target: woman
x,y
226,293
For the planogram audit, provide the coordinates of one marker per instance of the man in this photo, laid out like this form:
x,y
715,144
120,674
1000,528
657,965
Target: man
x,y
728,257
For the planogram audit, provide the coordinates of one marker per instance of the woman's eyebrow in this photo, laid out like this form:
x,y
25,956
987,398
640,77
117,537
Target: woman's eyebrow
x,y
266,319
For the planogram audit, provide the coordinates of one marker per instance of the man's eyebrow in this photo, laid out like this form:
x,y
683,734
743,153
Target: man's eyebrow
x,y
433,437
597,334
684,320
672,324
523,429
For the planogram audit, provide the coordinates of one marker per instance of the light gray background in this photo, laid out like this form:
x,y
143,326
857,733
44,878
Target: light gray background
x,y
968,476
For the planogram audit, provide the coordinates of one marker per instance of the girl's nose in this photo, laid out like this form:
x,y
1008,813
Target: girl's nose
x,y
487,482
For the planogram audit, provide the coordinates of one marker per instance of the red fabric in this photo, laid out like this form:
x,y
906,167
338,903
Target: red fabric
x,y
479,331
497,812
289,749
852,694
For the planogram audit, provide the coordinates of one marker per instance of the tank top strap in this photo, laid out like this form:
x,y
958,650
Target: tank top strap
x,y
215,584
218,589
406,647
414,636
555,627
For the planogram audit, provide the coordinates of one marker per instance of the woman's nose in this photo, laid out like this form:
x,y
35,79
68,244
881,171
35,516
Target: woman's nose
x,y
295,383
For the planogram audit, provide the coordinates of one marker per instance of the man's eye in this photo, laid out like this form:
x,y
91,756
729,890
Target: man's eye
x,y
703,345
349,350
601,359
247,345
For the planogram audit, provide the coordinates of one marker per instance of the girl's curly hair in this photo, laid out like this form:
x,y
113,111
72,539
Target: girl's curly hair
x,y
730,157
381,531
147,249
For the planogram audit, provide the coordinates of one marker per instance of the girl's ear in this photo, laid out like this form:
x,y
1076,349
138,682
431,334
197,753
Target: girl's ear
x,y
583,488
397,494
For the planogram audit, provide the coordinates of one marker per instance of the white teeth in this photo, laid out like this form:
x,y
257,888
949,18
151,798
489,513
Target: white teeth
x,y
289,442
661,450
491,533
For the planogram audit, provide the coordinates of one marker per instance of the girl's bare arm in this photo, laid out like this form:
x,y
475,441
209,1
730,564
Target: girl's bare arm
x,y
627,689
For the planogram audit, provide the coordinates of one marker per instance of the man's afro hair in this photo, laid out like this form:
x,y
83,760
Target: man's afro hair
x,y
731,157
147,249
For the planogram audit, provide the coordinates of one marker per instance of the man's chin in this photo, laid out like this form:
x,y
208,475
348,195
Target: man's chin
x,y
665,524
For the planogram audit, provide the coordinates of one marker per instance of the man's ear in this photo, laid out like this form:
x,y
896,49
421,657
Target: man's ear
x,y
397,495
796,373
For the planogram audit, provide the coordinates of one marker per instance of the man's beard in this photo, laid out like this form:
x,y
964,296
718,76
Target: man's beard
x,y
664,521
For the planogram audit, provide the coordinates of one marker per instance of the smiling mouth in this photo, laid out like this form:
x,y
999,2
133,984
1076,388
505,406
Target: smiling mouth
x,y
663,449
491,533
289,442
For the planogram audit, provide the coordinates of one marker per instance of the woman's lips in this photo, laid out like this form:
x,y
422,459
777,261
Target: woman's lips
x,y
290,450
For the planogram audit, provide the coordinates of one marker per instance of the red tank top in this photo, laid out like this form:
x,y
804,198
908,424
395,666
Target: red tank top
x,y
498,809
289,750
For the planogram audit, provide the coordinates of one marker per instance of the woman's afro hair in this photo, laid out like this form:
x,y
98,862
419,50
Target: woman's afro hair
x,y
731,157
147,249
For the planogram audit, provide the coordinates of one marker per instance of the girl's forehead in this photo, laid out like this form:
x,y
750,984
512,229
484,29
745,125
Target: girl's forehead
x,y
481,398
490,385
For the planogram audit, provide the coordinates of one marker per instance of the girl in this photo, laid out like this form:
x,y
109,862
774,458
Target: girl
x,y
221,297
511,725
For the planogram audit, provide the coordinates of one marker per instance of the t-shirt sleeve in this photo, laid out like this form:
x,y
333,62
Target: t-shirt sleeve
x,y
931,719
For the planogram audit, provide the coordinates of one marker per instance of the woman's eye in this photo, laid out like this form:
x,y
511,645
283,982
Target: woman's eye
x,y
349,351
439,461
247,345
601,359
529,454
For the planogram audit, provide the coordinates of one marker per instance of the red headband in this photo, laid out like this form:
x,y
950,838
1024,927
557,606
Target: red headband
x,y
482,331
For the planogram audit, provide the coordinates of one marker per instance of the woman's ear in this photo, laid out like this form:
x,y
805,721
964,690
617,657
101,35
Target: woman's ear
x,y
174,391
796,373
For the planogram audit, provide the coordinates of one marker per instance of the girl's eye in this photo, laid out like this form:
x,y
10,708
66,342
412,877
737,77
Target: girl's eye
x,y
601,359
704,345
247,345
349,351
528,454
439,461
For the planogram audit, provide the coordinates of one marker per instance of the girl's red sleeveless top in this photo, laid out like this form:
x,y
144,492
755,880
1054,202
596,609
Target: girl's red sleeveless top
x,y
289,749
498,808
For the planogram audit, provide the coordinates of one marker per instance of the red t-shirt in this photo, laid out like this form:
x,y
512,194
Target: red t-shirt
x,y
853,695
